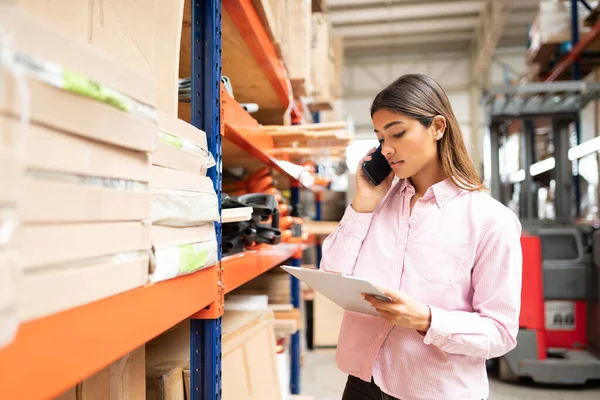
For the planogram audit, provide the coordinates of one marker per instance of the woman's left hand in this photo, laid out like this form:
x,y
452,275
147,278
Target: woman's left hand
x,y
403,311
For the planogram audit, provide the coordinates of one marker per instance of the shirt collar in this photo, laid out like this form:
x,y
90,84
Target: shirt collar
x,y
443,191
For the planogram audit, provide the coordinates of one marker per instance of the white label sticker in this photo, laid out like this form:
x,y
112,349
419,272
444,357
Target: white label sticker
x,y
560,315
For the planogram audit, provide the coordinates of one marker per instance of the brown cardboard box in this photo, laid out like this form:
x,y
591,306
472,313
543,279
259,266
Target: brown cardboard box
x,y
321,56
48,244
45,201
167,385
46,148
79,115
175,126
166,178
171,157
248,340
125,379
297,44
143,34
164,237
33,35
53,289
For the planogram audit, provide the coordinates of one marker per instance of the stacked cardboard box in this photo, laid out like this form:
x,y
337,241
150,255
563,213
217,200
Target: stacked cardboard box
x,y
143,34
322,61
124,379
10,177
248,341
184,203
84,204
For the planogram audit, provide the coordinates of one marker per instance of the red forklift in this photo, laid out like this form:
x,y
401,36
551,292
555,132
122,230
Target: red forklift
x,y
539,166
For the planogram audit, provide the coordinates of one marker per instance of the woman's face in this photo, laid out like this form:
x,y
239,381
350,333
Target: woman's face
x,y
408,146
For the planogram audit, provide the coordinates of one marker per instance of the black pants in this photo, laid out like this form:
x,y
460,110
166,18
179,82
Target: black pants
x,y
357,389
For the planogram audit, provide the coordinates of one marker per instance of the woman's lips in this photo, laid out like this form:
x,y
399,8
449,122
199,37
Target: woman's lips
x,y
396,164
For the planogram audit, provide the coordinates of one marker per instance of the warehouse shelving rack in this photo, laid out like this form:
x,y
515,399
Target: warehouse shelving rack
x,y
62,349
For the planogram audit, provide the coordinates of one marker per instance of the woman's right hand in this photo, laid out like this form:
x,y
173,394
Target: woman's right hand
x,y
368,195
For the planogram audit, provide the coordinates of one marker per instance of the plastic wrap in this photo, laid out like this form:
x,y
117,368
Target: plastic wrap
x,y
182,208
10,266
184,259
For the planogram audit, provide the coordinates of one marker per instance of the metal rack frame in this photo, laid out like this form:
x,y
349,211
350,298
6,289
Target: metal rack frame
x,y
205,334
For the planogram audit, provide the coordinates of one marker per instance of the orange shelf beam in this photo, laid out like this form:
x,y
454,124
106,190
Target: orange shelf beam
x,y
247,134
61,350
246,19
243,267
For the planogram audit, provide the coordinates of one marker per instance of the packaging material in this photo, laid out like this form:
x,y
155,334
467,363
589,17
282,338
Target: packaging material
x,y
12,140
42,246
76,106
144,34
32,32
327,319
183,259
59,287
183,208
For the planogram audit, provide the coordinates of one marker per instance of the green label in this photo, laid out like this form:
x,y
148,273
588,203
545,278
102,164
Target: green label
x,y
191,258
170,139
78,84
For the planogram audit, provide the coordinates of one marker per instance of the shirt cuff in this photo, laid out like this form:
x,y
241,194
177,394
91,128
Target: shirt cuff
x,y
354,223
439,329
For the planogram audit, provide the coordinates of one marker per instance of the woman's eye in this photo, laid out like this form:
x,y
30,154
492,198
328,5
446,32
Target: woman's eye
x,y
398,135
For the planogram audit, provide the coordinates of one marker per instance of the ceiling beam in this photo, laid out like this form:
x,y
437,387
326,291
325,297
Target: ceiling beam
x,y
399,12
487,35
428,25
391,41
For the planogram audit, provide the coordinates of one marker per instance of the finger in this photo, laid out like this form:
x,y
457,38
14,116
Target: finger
x,y
391,293
378,304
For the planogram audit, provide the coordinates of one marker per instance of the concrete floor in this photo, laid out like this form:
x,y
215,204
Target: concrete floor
x,y
322,379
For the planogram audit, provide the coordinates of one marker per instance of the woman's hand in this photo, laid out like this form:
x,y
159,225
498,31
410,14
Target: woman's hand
x,y
368,195
403,311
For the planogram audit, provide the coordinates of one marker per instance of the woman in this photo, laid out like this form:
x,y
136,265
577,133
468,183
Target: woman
x,y
445,252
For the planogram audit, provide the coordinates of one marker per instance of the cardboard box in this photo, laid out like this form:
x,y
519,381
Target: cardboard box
x,y
321,57
166,178
50,290
169,156
11,170
78,115
248,341
46,148
175,126
44,245
143,34
44,201
298,39
164,237
35,34
327,319
165,385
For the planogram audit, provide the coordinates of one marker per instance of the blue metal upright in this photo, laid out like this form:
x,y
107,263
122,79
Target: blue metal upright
x,y
205,335
295,297
295,345
576,75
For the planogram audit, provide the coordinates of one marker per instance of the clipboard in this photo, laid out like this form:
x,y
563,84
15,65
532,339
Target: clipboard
x,y
343,290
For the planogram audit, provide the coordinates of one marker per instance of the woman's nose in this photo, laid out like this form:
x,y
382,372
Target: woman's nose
x,y
387,150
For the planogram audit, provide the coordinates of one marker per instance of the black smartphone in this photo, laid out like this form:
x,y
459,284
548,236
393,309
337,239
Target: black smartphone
x,y
378,168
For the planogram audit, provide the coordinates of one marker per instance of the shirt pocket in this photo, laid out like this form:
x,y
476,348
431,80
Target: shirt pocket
x,y
435,264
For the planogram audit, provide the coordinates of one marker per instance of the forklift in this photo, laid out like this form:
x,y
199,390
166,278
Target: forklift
x,y
538,166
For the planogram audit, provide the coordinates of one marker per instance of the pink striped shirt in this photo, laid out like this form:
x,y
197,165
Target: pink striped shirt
x,y
458,252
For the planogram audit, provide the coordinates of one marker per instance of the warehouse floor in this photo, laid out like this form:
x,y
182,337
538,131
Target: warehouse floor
x,y
322,379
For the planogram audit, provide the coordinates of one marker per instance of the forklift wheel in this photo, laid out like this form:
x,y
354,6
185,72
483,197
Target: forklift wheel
x,y
505,373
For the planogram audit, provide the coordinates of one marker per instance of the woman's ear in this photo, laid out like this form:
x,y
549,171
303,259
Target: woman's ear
x,y
438,124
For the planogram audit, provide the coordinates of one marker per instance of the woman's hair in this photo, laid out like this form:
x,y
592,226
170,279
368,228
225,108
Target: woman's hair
x,y
422,98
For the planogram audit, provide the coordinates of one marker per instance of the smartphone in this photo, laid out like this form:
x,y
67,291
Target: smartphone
x,y
378,168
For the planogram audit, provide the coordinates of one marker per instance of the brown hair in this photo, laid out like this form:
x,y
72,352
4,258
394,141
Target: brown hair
x,y
422,98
